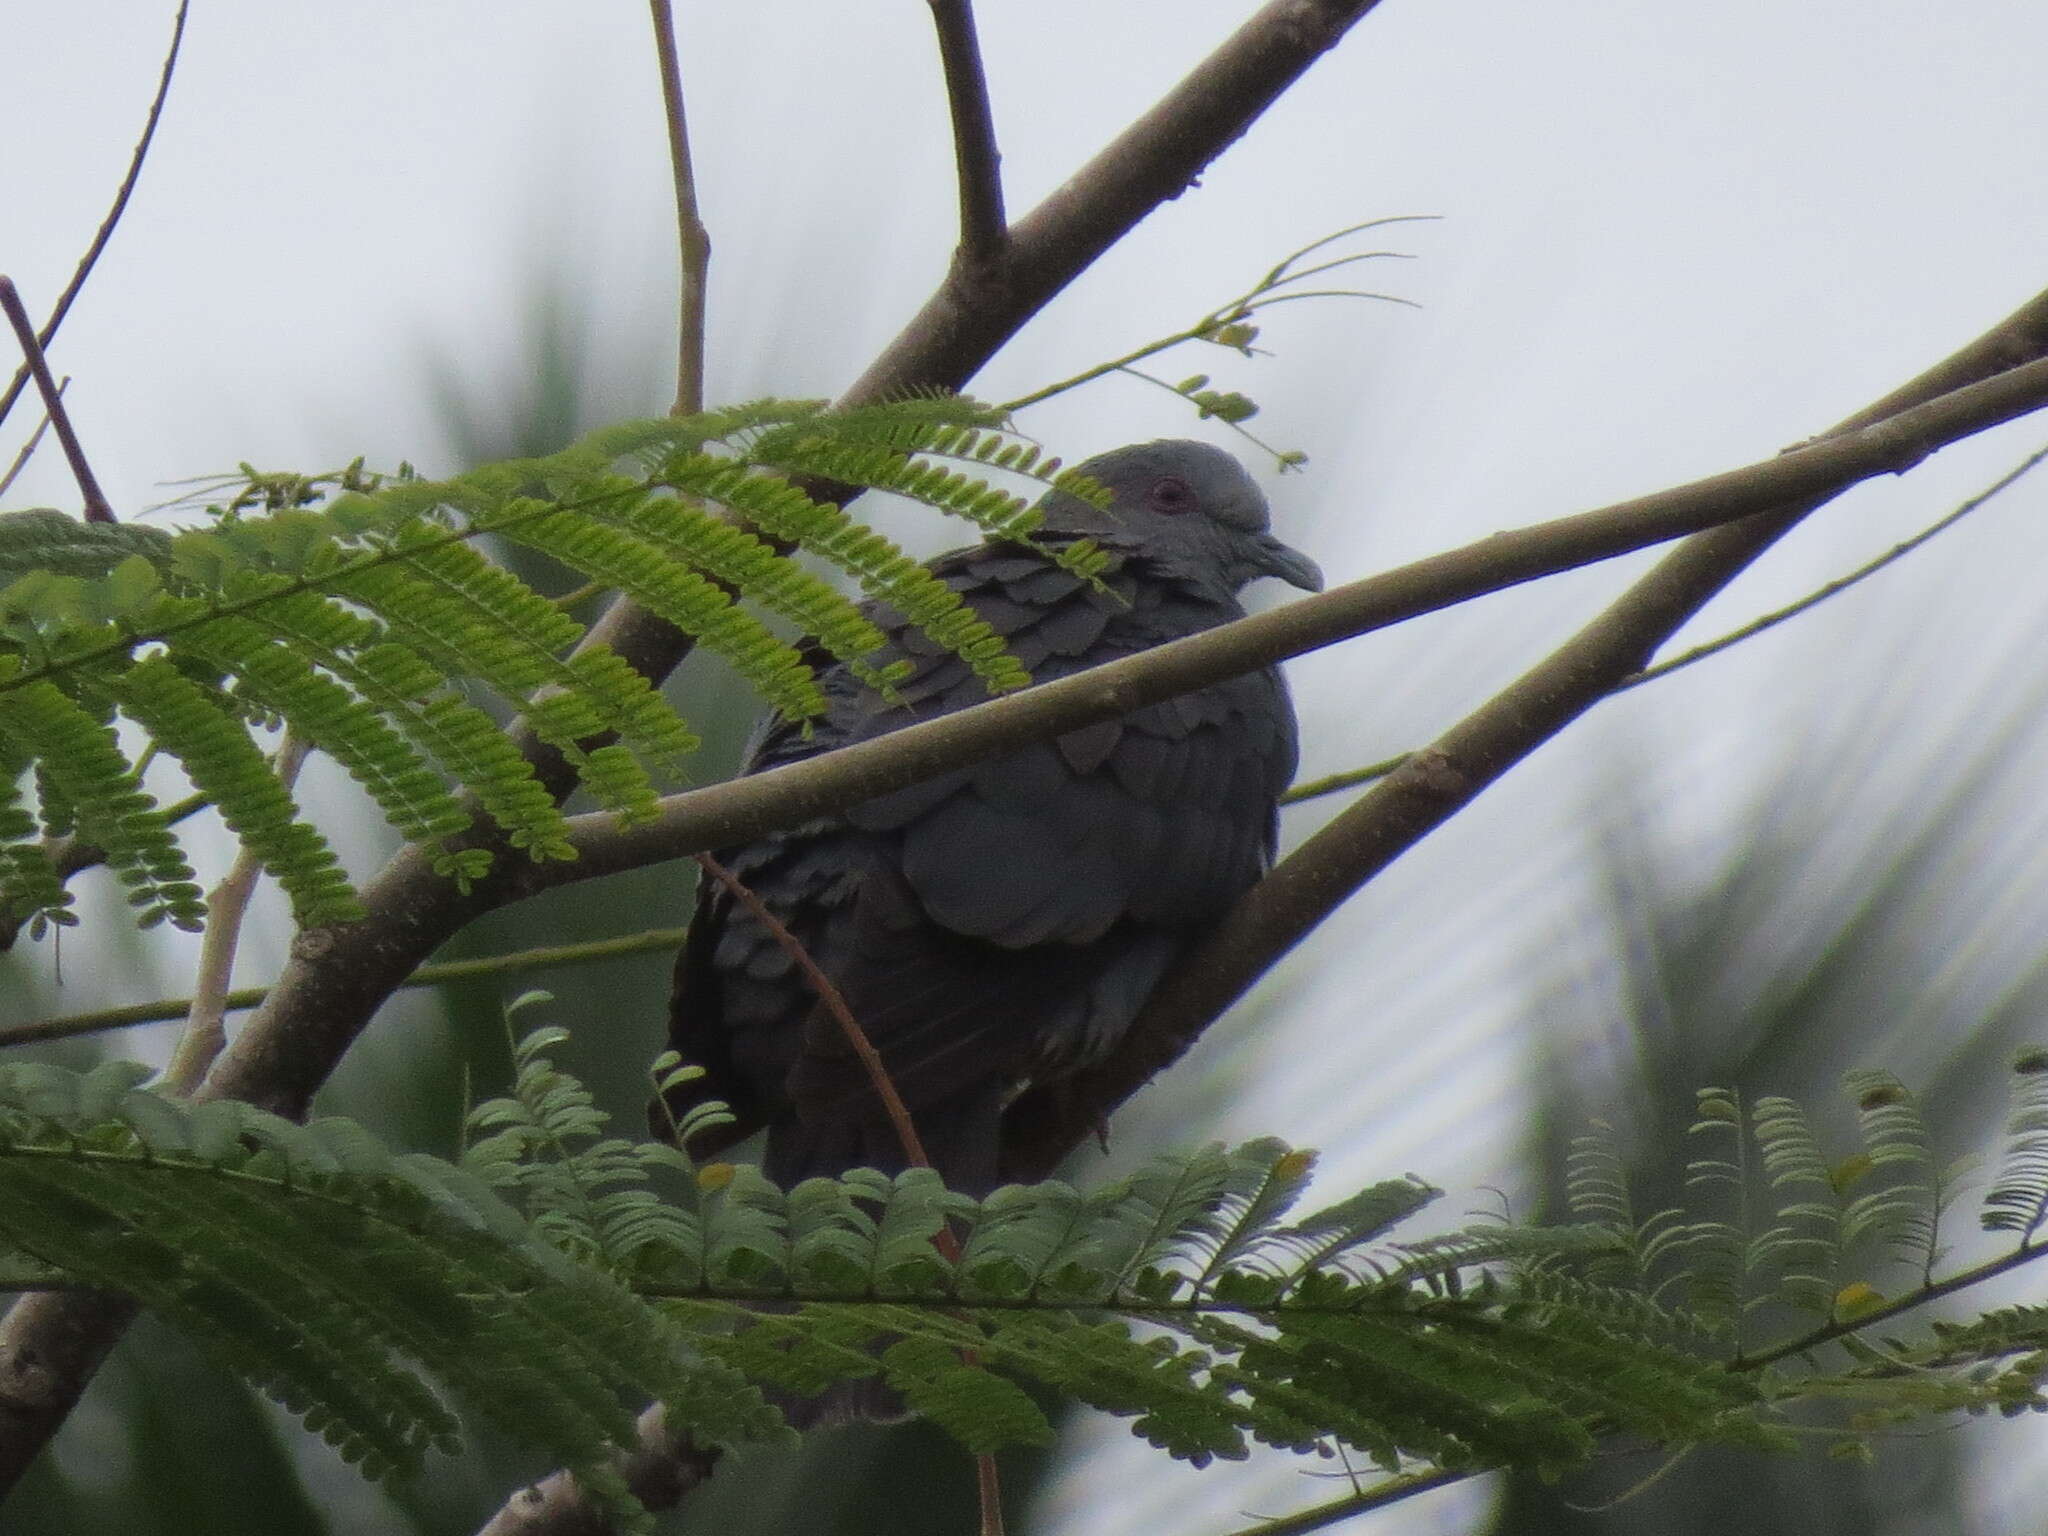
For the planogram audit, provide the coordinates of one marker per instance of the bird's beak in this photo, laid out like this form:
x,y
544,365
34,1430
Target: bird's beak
x,y
1293,567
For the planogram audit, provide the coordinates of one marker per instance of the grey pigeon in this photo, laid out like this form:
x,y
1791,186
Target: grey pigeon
x,y
1001,925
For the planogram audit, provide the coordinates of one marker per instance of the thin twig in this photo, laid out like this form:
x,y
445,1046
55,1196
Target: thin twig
x,y
205,1034
983,226
1288,458
1812,599
988,1487
945,1240
693,241
94,503
106,229
28,448
1392,1491
828,993
436,974
1261,295
1350,778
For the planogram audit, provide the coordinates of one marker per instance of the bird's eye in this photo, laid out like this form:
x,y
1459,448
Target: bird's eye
x,y
1170,493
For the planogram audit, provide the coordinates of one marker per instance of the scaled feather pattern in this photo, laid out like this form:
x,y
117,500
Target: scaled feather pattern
x,y
1001,926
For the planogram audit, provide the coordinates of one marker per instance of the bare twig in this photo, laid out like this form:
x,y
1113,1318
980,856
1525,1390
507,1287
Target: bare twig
x,y
28,448
828,993
1821,594
983,226
94,503
105,232
1350,778
1413,801
1263,294
692,239
1393,1491
989,1487
946,1240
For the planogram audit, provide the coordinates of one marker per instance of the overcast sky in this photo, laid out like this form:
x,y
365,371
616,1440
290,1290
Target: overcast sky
x,y
1671,240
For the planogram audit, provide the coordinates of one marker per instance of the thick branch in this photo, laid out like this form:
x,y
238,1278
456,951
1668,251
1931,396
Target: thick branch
x,y
50,1346
982,223
741,809
338,976
1438,781
1158,157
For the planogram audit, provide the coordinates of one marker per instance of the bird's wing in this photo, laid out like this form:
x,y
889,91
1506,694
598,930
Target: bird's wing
x,y
998,921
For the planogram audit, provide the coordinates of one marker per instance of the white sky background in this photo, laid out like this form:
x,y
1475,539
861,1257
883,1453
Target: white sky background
x,y
1674,239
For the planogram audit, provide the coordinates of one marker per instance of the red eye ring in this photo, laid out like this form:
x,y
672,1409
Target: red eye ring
x,y
1170,493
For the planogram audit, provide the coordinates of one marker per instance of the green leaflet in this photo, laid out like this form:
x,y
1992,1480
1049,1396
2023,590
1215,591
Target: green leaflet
x,y
561,1276
381,632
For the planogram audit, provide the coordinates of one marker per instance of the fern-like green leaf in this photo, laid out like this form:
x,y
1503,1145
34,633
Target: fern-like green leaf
x,y
2018,1198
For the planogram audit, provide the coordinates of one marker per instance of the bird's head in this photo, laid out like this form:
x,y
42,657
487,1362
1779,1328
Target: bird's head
x,y
1187,506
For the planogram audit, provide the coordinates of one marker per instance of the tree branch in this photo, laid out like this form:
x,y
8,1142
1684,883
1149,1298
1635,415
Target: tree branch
x,y
660,1470
94,503
692,238
338,976
745,808
1424,792
970,317
105,232
983,227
